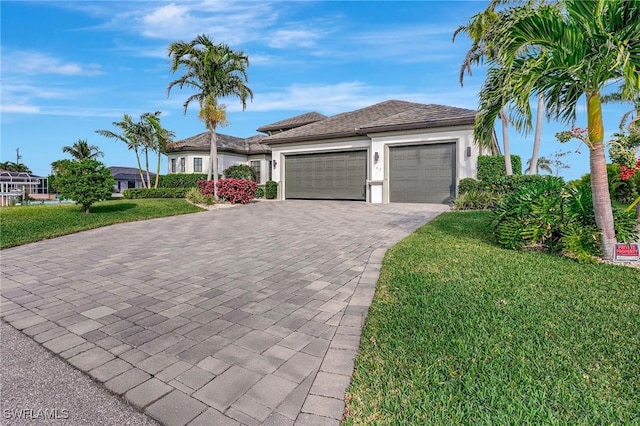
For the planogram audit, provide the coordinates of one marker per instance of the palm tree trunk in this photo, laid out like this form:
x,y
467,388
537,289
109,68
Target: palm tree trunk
x,y
146,159
140,168
505,141
533,167
599,179
213,163
158,169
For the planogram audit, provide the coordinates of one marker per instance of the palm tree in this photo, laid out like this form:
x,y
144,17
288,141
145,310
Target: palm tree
x,y
480,29
566,51
160,138
129,135
542,163
483,29
81,150
10,166
214,71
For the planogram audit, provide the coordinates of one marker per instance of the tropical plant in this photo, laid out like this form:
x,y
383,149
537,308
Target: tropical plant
x,y
543,164
565,51
155,138
81,150
482,29
547,215
128,135
10,166
476,200
85,182
214,71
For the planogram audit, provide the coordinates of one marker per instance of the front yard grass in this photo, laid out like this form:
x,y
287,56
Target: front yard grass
x,y
463,332
27,224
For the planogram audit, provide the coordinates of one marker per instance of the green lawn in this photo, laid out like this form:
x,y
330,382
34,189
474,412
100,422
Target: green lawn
x,y
463,332
26,224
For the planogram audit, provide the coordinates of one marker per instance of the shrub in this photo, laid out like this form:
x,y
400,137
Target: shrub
x,y
548,215
195,196
491,167
180,180
206,187
510,184
136,193
240,171
260,191
466,185
271,190
475,200
620,190
236,190
85,182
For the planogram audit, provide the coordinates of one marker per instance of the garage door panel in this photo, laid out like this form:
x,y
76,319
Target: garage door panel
x,y
338,176
422,173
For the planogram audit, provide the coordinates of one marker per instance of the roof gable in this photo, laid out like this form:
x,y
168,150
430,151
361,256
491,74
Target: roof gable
x,y
293,122
384,116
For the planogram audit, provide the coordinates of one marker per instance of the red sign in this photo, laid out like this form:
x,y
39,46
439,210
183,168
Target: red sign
x,y
627,252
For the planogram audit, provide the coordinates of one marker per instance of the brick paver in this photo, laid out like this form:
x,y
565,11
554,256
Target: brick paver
x,y
248,315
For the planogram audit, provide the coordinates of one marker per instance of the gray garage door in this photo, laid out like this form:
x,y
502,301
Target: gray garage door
x,y
422,173
326,176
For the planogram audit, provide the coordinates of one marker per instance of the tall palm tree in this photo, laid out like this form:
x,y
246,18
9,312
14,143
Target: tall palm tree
x,y
81,150
129,135
214,71
567,51
480,29
483,29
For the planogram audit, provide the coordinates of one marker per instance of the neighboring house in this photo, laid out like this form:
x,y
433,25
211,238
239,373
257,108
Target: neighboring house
x,y
17,184
129,178
394,151
191,155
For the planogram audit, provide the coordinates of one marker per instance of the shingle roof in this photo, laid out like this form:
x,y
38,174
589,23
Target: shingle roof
x,y
201,142
127,173
384,116
293,122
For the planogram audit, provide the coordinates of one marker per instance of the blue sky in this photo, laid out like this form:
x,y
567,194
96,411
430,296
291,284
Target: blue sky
x,y
70,68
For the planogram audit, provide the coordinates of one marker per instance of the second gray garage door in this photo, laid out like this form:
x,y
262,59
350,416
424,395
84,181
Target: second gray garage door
x,y
326,176
422,173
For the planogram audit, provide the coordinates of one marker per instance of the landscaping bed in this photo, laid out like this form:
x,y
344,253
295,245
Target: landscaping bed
x,y
463,332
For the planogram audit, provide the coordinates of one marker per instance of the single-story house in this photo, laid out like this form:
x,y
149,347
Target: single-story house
x,y
393,151
128,178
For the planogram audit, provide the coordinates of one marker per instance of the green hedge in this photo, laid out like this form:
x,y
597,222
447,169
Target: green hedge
x,y
240,171
491,167
155,193
181,180
271,189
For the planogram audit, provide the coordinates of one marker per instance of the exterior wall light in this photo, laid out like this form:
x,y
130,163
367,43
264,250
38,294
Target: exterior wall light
x,y
275,164
468,151
376,157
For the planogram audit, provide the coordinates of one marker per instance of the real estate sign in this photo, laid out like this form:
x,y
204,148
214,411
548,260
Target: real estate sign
x,y
627,252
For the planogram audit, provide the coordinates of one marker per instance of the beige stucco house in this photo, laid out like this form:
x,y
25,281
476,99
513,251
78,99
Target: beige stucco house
x,y
393,151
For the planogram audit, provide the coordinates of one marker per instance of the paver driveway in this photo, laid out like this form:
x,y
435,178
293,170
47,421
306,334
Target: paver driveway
x,y
249,314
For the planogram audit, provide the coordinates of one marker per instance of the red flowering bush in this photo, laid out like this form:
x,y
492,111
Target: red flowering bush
x,y
626,172
237,190
206,187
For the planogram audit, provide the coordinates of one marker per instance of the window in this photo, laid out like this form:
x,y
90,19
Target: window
x,y
256,168
182,163
197,165
270,170
172,166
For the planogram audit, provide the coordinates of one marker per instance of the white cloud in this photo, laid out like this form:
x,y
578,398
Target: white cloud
x,y
346,96
281,39
19,109
32,62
